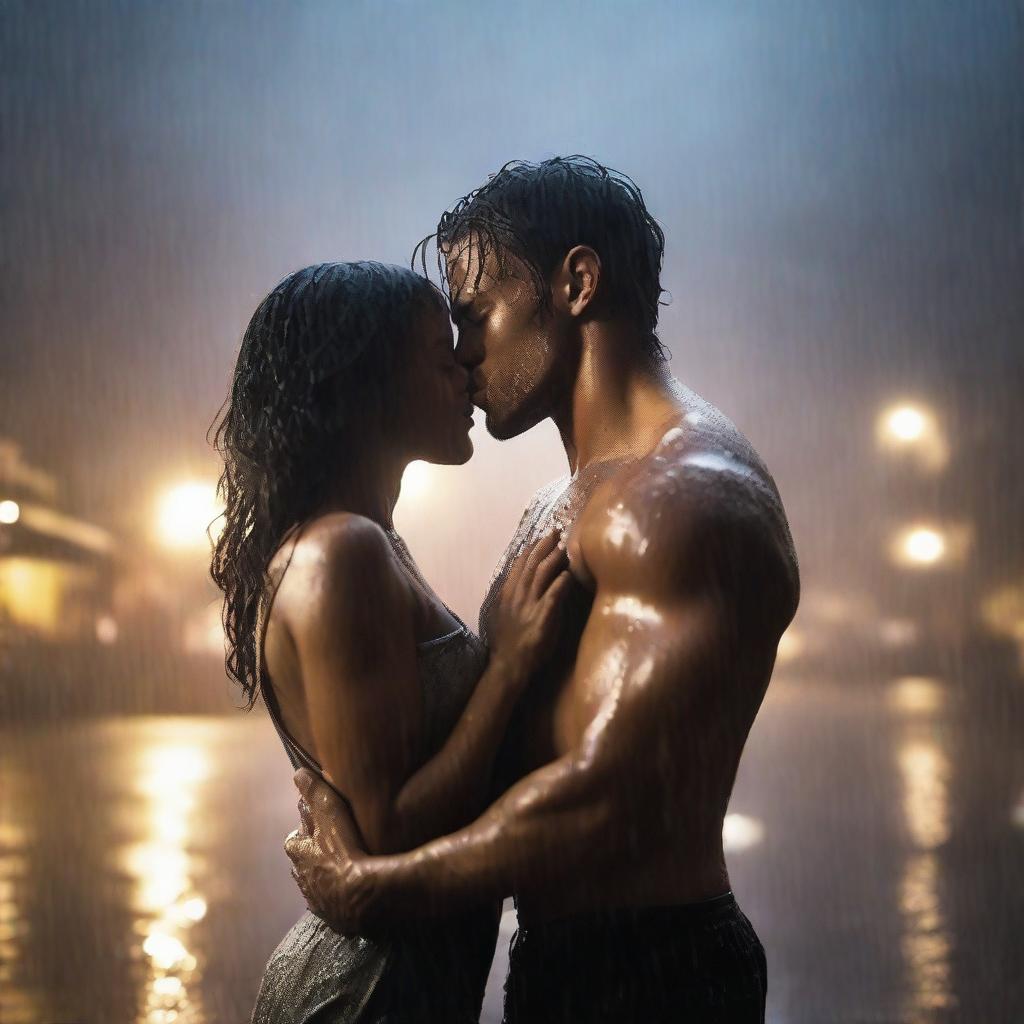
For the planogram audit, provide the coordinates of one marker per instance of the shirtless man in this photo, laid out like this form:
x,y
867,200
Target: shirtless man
x,y
616,772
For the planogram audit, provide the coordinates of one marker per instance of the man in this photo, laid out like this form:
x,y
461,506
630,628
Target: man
x,y
620,761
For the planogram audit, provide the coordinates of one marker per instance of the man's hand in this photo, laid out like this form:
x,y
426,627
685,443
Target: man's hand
x,y
329,862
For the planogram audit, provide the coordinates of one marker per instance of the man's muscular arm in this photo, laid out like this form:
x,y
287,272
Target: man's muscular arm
x,y
662,644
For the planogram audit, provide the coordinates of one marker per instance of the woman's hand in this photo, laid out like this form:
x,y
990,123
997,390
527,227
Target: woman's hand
x,y
524,622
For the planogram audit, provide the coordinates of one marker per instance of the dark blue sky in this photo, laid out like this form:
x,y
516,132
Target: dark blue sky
x,y
840,185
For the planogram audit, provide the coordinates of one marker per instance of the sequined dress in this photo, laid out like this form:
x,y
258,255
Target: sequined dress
x,y
431,971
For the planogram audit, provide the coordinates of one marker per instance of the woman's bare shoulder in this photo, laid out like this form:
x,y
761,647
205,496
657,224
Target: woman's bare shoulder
x,y
339,572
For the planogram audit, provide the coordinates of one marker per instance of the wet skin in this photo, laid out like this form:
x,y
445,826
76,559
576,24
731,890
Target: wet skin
x,y
342,654
622,755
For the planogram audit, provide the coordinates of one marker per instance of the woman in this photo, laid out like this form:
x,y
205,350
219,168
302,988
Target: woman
x,y
347,373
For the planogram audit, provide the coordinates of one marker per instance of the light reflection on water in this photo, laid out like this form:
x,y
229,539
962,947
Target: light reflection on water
x,y
150,886
127,849
19,1003
925,771
168,776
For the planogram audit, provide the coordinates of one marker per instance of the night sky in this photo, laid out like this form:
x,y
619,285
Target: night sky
x,y
840,185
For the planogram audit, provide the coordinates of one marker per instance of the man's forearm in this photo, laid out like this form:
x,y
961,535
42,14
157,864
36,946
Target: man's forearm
x,y
551,827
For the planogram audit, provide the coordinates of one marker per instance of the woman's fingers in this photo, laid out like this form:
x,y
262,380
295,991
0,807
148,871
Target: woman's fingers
x,y
549,613
550,566
540,550
551,601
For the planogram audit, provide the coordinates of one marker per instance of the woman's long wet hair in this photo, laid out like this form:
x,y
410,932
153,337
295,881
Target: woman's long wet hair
x,y
316,364
538,211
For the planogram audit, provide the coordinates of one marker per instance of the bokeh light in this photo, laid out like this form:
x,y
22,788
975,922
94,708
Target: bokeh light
x,y
905,423
106,629
913,428
916,695
417,480
920,546
740,832
185,511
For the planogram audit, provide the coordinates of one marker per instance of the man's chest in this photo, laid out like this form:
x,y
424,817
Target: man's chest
x,y
559,506
543,727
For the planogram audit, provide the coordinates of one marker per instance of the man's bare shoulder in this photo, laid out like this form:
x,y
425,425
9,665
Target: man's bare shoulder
x,y
701,497
545,497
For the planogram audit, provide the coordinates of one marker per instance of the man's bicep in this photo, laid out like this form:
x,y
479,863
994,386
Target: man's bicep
x,y
643,667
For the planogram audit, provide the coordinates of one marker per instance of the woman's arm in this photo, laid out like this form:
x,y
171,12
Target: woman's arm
x,y
354,635
451,789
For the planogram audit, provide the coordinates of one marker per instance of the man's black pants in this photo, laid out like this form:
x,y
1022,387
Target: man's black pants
x,y
696,963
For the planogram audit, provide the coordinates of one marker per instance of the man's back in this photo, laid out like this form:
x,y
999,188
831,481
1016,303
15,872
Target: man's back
x,y
687,578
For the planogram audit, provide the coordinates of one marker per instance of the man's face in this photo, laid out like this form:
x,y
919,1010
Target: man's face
x,y
514,354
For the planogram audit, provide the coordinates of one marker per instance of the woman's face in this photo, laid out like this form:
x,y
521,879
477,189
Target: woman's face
x,y
437,410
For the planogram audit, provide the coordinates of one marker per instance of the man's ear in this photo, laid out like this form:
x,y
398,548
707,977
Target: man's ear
x,y
576,280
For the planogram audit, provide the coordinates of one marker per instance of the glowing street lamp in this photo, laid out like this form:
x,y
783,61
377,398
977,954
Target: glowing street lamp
x,y
10,511
920,547
912,428
905,424
184,512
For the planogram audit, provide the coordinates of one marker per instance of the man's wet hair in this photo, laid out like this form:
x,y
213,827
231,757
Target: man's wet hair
x,y
538,211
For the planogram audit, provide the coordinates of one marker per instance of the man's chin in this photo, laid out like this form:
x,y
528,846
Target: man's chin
x,y
505,428
500,430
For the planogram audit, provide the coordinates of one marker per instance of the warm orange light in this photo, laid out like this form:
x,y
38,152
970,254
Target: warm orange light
x,y
792,645
914,429
920,547
924,546
740,832
906,423
106,629
184,512
917,695
417,480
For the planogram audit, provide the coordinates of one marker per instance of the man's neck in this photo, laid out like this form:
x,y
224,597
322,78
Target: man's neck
x,y
620,402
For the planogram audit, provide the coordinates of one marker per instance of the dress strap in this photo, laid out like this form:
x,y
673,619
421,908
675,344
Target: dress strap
x,y
297,754
404,556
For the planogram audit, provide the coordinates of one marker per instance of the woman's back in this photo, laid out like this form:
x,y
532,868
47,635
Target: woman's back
x,y
436,970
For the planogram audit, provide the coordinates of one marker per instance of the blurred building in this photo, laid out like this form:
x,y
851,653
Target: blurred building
x,y
56,570
90,622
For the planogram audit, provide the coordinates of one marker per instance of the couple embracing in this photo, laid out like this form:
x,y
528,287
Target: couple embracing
x,y
578,754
